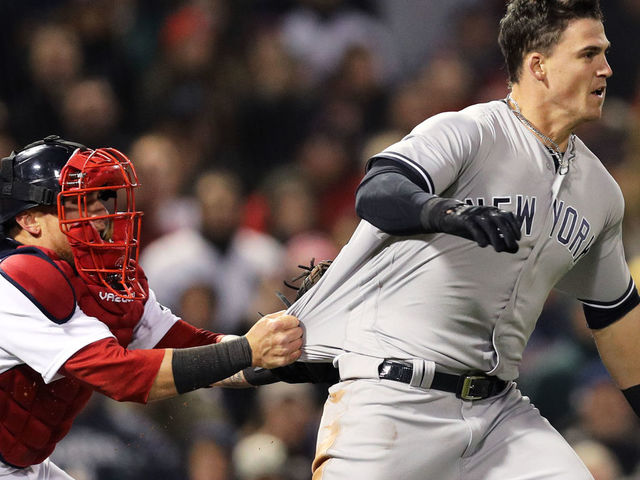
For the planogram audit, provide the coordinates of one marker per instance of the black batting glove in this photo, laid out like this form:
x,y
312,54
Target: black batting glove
x,y
484,225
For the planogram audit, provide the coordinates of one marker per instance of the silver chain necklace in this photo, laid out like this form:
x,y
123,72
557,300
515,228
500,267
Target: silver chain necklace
x,y
563,159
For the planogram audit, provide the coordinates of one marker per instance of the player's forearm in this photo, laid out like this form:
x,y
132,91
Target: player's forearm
x,y
163,385
184,370
619,348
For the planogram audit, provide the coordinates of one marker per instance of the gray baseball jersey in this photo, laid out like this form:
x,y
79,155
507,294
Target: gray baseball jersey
x,y
442,298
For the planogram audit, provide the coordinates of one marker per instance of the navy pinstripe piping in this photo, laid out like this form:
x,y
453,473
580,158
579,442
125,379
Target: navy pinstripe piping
x,y
614,303
416,166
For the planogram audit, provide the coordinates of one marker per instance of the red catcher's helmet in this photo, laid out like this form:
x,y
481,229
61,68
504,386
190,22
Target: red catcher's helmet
x,y
110,257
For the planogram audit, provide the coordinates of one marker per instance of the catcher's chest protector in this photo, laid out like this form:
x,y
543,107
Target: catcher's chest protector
x,y
34,416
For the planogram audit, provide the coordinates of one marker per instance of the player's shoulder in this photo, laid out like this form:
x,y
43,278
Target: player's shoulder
x,y
41,280
597,172
472,119
596,178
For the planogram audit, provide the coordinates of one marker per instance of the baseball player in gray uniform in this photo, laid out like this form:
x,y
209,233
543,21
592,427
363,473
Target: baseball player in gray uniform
x,y
427,327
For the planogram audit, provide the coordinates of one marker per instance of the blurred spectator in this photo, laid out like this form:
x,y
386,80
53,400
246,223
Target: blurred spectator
x,y
315,193
55,62
198,306
274,112
180,418
162,180
7,145
101,26
422,27
408,107
260,456
446,84
191,91
319,32
559,348
111,441
355,99
599,460
288,414
332,172
90,114
622,18
220,254
178,80
210,452
476,30
617,429
284,206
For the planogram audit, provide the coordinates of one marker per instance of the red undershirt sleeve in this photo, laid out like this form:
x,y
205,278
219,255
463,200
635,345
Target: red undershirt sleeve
x,y
121,374
184,335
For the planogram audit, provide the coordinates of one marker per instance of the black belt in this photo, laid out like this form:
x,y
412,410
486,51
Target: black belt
x,y
466,387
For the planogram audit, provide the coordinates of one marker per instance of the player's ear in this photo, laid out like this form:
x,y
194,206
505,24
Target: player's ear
x,y
534,63
29,222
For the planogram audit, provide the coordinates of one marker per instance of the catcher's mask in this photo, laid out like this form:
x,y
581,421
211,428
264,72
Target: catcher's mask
x,y
96,211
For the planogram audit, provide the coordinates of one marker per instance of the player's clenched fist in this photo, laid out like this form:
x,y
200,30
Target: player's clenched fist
x,y
275,340
485,225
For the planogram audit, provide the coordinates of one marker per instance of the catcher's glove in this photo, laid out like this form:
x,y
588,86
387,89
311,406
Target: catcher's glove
x,y
310,276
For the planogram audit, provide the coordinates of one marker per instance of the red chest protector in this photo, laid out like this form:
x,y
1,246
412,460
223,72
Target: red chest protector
x,y
34,416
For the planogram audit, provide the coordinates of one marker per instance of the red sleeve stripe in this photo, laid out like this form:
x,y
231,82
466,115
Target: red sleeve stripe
x,y
121,374
183,335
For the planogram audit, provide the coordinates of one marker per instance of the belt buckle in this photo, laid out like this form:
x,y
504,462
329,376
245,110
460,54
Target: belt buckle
x,y
468,386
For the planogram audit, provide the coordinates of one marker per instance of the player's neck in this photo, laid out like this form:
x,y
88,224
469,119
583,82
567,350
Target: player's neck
x,y
544,118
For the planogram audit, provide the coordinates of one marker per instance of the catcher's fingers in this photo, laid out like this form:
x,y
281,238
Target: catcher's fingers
x,y
282,354
274,340
282,322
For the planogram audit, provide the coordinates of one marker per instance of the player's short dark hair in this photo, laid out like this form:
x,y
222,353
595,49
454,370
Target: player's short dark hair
x,y
536,25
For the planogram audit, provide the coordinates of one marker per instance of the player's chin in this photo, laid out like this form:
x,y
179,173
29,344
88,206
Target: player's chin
x,y
593,113
595,104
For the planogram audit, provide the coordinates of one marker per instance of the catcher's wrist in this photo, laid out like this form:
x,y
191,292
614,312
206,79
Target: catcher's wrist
x,y
199,367
632,394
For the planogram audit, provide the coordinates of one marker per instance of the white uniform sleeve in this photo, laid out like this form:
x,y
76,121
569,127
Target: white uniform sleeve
x,y
156,321
29,337
438,149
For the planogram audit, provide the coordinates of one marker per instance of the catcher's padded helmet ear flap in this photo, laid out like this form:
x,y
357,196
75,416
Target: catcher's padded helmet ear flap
x,y
31,176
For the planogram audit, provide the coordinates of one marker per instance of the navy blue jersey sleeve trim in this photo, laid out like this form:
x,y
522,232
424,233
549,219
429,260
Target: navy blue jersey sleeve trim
x,y
602,314
426,182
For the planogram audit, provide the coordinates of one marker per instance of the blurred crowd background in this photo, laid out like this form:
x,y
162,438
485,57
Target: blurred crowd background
x,y
249,122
